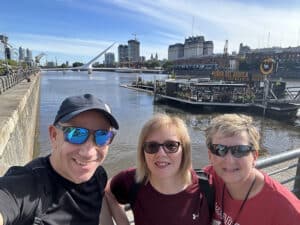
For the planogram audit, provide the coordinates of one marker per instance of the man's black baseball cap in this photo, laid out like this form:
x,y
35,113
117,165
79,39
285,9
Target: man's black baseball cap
x,y
74,105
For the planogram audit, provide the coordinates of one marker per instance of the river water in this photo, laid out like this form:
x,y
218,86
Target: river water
x,y
133,109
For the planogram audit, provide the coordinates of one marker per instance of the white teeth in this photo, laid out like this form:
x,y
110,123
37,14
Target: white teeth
x,y
162,163
80,162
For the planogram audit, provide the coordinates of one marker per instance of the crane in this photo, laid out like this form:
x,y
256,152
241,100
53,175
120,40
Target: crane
x,y
38,57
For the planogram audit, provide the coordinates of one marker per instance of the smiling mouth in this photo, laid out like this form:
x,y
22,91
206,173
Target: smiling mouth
x,y
82,163
161,164
230,170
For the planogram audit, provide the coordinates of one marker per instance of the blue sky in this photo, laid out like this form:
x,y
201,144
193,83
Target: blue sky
x,y
77,30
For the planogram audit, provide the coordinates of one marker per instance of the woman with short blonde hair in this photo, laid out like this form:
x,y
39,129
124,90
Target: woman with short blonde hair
x,y
244,194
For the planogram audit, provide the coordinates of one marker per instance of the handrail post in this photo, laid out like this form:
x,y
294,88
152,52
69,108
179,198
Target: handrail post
x,y
297,180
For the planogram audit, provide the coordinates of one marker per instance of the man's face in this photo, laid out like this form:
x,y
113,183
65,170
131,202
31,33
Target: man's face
x,y
78,162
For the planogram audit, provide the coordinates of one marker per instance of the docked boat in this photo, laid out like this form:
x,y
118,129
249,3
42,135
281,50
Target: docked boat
x,y
269,97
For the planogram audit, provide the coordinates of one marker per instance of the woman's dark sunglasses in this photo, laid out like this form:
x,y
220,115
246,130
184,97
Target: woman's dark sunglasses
x,y
79,135
152,147
237,151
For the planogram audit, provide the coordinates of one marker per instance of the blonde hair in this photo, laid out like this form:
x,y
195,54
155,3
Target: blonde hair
x,y
233,124
156,123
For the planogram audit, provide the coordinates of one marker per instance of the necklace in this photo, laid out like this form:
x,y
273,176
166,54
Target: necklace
x,y
242,206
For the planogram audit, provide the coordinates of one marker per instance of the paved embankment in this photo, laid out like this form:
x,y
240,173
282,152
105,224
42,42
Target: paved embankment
x,y
19,107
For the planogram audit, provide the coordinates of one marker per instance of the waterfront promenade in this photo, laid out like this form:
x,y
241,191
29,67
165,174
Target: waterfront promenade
x,y
18,115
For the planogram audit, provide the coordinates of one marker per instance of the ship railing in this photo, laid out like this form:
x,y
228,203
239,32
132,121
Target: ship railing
x,y
293,93
285,168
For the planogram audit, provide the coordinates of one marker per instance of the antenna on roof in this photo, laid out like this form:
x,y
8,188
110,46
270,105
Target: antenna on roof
x,y
134,34
193,27
298,41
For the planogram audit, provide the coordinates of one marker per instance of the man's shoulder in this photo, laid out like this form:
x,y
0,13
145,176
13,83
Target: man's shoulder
x,y
39,163
25,175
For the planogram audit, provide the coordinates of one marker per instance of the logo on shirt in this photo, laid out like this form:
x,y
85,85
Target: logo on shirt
x,y
195,216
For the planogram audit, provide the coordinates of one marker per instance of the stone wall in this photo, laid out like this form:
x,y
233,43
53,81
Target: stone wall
x,y
19,111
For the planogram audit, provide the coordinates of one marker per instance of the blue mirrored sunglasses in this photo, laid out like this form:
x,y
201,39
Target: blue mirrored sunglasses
x,y
79,135
237,151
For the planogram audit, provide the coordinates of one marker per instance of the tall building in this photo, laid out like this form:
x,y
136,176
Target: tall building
x,y
175,51
7,53
3,39
193,47
28,54
1,51
109,59
208,48
28,58
122,53
134,51
6,46
21,54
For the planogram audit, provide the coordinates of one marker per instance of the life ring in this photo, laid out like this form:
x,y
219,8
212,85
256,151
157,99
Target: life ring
x,y
266,67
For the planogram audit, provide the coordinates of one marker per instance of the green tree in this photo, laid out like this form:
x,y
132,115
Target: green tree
x,y
12,62
63,65
168,65
75,64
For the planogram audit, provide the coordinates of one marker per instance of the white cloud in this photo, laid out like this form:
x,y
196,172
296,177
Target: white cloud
x,y
171,22
221,20
72,49
55,44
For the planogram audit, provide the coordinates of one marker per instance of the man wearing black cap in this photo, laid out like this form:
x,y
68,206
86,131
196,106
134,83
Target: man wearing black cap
x,y
66,187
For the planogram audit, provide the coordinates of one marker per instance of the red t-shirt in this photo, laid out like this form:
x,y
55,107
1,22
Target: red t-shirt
x,y
188,207
273,205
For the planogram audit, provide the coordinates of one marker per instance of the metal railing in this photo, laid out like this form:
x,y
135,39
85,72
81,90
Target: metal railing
x,y
285,168
13,77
